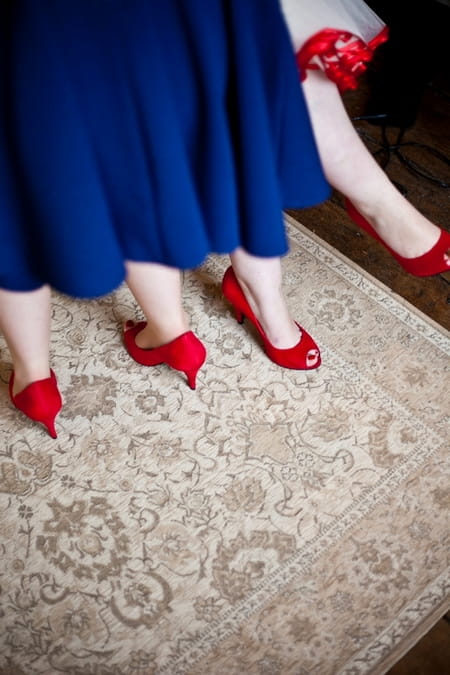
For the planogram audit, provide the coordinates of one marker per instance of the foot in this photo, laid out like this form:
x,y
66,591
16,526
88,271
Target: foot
x,y
404,229
303,354
274,317
271,310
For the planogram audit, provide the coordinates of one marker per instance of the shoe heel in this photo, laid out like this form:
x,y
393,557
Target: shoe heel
x,y
185,353
240,316
191,377
188,354
50,425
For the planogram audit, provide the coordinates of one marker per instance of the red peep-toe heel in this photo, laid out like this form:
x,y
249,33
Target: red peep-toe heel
x,y
186,353
40,401
305,355
426,265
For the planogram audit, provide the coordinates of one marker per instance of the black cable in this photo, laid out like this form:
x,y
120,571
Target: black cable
x,y
396,149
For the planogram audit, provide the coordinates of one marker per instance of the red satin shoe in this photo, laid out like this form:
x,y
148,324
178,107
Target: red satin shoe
x,y
305,355
40,401
426,265
185,353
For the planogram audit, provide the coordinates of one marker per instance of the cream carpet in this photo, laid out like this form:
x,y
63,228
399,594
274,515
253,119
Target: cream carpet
x,y
271,522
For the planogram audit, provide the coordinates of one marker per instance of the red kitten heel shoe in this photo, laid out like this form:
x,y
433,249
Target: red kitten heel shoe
x,y
426,265
186,353
305,355
40,401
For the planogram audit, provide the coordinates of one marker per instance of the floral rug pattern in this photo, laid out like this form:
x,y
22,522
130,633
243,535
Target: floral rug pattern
x,y
270,522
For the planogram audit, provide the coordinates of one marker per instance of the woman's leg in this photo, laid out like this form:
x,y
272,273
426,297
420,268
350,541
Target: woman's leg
x,y
166,337
25,323
261,281
157,289
351,169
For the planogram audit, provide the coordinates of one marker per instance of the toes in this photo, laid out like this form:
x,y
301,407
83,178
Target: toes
x,y
312,357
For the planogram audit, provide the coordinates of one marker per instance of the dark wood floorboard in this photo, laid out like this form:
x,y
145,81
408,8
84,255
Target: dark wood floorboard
x,y
431,295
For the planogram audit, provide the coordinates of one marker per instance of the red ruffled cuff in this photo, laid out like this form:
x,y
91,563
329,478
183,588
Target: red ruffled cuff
x,y
341,55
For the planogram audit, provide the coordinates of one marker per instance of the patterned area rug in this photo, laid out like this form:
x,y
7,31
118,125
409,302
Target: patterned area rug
x,y
271,522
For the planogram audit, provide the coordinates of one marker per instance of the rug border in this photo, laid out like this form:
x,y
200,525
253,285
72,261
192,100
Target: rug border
x,y
381,664
428,621
383,293
410,640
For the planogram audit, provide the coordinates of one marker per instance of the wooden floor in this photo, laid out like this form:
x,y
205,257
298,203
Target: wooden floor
x,y
431,130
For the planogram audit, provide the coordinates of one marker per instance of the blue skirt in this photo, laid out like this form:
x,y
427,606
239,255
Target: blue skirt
x,y
146,130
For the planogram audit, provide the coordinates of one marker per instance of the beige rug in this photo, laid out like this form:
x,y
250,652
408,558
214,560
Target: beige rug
x,y
272,522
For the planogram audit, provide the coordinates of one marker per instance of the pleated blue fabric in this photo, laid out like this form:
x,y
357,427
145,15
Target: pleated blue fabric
x,y
146,130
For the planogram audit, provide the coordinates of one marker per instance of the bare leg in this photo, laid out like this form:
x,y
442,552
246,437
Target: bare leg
x,y
351,169
25,323
261,281
157,289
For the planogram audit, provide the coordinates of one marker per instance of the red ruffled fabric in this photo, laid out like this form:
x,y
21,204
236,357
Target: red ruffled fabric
x,y
341,55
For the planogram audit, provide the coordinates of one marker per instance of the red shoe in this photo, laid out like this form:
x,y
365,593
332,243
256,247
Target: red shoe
x,y
426,265
185,353
40,401
305,355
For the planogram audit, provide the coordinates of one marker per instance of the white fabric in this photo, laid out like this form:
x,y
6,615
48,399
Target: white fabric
x,y
304,18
